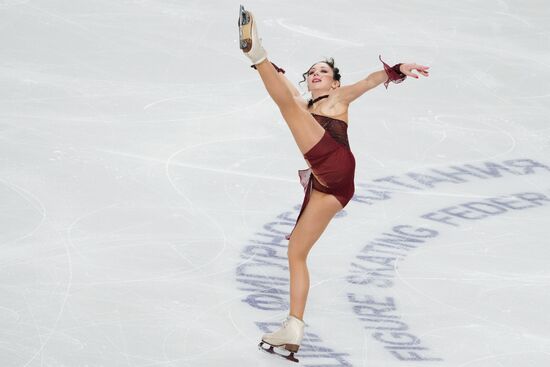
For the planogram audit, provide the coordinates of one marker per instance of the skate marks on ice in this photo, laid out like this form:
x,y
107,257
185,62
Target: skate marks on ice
x,y
26,217
4,4
316,34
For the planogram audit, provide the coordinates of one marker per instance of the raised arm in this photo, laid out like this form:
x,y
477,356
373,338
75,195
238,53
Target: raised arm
x,y
349,93
395,74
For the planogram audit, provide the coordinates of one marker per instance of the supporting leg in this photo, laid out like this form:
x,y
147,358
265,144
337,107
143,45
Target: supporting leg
x,y
315,218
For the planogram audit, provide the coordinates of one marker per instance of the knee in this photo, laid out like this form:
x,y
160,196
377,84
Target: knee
x,y
295,254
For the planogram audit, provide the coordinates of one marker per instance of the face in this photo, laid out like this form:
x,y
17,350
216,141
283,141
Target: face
x,y
321,77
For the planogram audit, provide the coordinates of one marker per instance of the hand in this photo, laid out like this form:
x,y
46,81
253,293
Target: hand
x,y
408,68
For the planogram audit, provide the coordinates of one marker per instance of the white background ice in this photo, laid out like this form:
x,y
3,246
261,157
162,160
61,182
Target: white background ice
x,y
140,156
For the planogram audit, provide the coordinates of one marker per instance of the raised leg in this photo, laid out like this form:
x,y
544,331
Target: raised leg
x,y
314,220
305,129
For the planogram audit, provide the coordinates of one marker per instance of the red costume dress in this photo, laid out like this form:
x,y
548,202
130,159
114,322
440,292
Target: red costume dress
x,y
332,162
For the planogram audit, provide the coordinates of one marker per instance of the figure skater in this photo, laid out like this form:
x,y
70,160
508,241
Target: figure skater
x,y
319,127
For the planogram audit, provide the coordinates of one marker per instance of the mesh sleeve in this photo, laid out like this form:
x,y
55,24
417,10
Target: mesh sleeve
x,y
393,73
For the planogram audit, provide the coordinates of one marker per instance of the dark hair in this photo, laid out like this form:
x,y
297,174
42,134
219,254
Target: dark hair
x,y
329,62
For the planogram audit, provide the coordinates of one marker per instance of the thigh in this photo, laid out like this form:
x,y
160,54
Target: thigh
x,y
318,213
304,128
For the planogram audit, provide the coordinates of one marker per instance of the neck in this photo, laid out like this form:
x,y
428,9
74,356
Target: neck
x,y
312,101
318,93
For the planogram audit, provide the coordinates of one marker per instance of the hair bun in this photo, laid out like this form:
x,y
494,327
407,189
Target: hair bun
x,y
337,74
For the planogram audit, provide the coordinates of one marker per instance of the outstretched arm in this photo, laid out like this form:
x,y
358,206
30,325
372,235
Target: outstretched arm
x,y
349,93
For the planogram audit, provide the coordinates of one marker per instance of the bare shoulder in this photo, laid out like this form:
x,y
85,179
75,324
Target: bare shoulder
x,y
336,104
332,107
337,97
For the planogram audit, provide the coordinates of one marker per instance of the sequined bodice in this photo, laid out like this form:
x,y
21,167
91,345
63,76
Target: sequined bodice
x,y
338,129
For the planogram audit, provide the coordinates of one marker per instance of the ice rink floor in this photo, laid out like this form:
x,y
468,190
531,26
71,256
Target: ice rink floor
x,y
147,181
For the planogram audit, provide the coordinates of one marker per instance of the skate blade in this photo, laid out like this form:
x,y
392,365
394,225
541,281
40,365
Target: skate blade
x,y
271,350
245,30
244,17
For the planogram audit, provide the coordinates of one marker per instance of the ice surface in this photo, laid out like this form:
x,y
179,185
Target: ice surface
x,y
147,181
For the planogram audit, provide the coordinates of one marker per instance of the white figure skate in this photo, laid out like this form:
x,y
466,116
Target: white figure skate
x,y
249,41
289,337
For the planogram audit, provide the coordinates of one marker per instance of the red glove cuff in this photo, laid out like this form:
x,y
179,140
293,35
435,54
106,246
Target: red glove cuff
x,y
393,73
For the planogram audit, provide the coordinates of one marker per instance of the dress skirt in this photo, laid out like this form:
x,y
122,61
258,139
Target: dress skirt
x,y
334,165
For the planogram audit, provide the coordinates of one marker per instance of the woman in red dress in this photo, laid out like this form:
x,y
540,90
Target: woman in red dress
x,y
319,127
